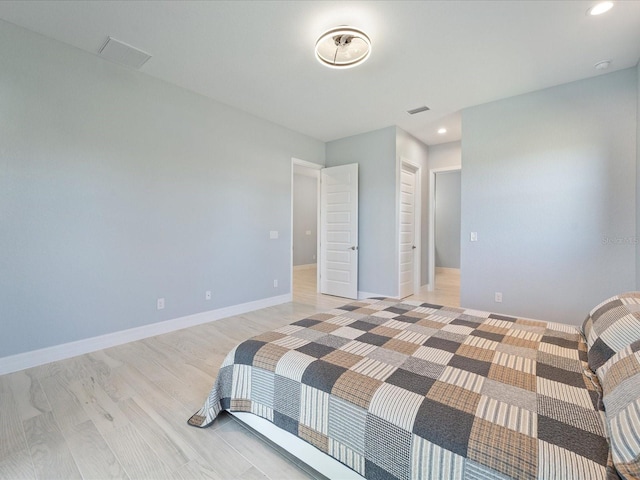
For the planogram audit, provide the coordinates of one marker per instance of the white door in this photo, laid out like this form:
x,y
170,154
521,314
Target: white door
x,y
339,231
407,230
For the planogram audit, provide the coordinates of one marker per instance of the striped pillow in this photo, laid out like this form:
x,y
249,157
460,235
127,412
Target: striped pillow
x,y
621,397
611,326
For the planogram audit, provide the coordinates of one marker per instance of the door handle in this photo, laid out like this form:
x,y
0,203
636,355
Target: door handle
x,y
414,247
353,248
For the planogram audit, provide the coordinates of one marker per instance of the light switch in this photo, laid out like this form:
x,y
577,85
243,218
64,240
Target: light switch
x,y
474,236
273,234
307,232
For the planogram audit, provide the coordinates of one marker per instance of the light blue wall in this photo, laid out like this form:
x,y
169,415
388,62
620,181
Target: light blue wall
x,y
117,189
447,219
378,154
305,219
445,155
375,152
638,180
410,148
549,184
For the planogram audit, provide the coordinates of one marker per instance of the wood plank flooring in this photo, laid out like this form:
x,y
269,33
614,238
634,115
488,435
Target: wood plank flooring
x,y
122,412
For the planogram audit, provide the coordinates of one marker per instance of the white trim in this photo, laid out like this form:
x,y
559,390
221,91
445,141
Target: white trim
x,y
20,361
304,163
307,453
432,221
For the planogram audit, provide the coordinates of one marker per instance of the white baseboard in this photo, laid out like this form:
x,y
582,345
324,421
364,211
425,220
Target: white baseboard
x,y
20,361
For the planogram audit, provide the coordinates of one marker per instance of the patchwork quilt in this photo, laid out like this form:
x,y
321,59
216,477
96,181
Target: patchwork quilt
x,y
400,390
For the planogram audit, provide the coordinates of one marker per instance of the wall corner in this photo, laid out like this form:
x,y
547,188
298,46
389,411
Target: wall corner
x,y
638,176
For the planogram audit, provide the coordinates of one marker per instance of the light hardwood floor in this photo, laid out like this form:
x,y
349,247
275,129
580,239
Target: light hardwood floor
x,y
122,412
446,290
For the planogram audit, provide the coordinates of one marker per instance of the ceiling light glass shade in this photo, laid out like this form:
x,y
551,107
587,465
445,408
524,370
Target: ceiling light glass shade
x,y
343,47
602,65
600,8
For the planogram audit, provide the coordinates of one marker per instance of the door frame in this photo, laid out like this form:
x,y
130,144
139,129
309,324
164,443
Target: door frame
x,y
317,167
417,222
432,220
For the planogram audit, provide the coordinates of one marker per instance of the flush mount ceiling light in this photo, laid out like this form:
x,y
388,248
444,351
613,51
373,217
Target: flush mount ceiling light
x,y
442,131
600,8
343,47
602,65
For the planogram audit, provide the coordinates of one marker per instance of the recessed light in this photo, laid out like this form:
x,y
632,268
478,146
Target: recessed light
x,y
442,131
600,8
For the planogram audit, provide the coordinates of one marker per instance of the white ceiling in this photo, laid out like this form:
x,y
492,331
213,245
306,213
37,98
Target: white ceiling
x,y
258,55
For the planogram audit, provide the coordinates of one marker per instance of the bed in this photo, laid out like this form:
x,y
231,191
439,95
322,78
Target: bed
x,y
405,389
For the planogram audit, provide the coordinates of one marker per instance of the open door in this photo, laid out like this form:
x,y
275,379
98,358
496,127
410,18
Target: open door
x,y
408,242
339,231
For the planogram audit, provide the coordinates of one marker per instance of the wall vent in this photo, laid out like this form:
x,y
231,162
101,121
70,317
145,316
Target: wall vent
x,y
124,54
413,111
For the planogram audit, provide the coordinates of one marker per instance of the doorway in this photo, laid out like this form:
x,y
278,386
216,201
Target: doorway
x,y
444,231
304,226
332,224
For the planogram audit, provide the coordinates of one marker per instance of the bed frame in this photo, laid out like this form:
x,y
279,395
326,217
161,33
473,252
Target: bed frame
x,y
297,447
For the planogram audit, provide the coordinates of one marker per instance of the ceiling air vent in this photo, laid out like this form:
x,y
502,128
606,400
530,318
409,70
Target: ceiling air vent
x,y
413,111
120,52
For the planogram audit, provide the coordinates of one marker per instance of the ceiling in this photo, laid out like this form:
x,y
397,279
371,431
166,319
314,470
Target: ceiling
x,y
258,55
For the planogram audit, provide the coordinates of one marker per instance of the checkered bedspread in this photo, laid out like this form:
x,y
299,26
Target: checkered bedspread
x,y
412,390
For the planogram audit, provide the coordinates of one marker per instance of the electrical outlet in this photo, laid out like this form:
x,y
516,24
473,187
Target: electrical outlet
x,y
498,297
160,303
207,295
275,284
